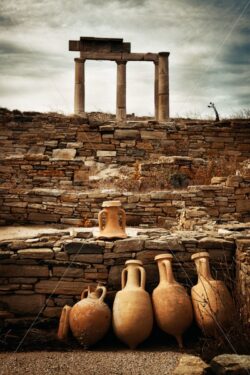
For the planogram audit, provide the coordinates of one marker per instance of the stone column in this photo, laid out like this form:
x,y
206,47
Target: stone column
x,y
156,89
163,87
79,104
121,91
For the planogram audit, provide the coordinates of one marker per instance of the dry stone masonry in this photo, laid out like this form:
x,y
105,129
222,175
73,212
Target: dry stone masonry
x,y
50,270
184,185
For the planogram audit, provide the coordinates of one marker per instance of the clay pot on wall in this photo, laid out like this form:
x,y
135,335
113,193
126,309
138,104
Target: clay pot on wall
x,y
132,309
172,305
112,220
89,319
212,302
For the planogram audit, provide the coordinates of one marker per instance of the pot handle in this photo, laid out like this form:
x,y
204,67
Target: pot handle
x,y
104,292
100,215
143,277
63,329
85,293
123,223
124,277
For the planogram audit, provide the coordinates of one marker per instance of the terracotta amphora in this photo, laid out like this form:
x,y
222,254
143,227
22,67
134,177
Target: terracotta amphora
x,y
172,305
132,309
112,220
212,302
89,319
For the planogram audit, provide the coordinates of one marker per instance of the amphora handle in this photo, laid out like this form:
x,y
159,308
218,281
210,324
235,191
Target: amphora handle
x,y
100,219
63,329
85,293
103,292
142,277
123,214
124,277
169,276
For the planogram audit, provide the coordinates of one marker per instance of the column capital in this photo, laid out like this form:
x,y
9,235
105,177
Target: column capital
x,y
79,59
121,62
164,54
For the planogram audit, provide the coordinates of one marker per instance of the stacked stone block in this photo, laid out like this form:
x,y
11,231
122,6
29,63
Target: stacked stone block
x,y
225,202
40,275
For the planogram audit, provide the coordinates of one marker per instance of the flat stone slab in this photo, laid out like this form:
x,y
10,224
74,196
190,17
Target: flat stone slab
x,y
41,253
190,364
216,243
13,270
231,364
60,287
128,245
64,153
21,304
83,248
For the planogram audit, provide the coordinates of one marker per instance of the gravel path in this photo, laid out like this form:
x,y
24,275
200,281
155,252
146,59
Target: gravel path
x,y
138,362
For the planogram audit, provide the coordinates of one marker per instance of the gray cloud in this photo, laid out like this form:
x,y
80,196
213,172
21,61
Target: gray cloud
x,y
208,42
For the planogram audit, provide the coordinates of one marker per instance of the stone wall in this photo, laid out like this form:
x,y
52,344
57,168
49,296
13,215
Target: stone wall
x,y
243,279
54,151
46,170
225,202
44,273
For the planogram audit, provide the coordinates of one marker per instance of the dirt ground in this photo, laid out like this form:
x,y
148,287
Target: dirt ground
x,y
125,362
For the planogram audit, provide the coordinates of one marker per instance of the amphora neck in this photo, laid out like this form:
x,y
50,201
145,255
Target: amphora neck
x,y
132,275
203,268
165,271
112,209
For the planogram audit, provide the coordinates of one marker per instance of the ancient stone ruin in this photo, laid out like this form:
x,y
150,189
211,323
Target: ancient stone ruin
x,y
184,185
112,49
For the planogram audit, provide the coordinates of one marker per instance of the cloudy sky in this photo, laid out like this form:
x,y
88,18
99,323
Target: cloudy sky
x,y
208,43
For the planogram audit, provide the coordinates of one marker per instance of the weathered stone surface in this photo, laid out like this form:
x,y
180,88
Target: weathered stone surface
x,y
217,180
44,217
62,301
126,134
81,175
9,287
83,248
67,272
128,245
88,137
234,181
23,280
64,153
114,278
159,195
147,256
7,270
87,258
106,153
231,364
190,364
243,205
24,304
37,150
52,312
168,244
41,253
4,254
153,134
60,287
84,234
70,221
216,243
96,276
